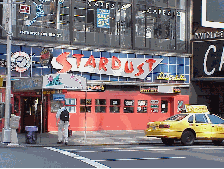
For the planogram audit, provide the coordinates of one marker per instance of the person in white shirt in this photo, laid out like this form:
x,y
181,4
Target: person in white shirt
x,y
62,128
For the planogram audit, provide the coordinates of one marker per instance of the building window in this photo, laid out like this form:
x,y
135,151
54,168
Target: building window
x,y
142,106
79,21
47,21
114,105
100,105
160,25
85,107
164,106
103,23
70,105
128,106
154,106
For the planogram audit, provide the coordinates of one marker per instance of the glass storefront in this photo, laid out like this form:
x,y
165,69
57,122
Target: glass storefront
x,y
102,23
160,25
41,20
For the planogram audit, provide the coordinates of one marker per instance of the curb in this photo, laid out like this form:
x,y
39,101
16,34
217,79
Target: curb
x,y
62,145
27,145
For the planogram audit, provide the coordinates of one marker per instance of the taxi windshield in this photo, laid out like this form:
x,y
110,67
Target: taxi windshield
x,y
177,117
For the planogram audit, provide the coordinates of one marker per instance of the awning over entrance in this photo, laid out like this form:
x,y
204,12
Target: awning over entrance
x,y
22,84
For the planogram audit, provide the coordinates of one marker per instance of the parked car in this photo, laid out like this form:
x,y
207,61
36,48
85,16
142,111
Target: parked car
x,y
195,122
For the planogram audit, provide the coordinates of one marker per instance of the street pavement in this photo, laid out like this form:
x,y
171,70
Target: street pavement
x,y
78,138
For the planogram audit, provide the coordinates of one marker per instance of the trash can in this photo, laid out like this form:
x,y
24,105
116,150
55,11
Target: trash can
x,y
31,134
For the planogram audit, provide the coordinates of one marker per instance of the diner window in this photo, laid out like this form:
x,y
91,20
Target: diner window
x,y
70,105
85,105
100,105
128,106
164,106
114,105
142,106
154,106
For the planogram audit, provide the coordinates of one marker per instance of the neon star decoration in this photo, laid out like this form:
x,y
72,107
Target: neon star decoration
x,y
53,81
39,10
77,80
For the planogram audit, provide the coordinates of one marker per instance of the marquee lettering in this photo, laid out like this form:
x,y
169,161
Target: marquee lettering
x,y
78,59
150,62
103,63
91,62
127,67
127,70
206,57
114,60
141,71
62,59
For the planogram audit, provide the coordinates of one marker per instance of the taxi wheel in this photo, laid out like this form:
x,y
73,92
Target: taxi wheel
x,y
167,141
187,138
217,142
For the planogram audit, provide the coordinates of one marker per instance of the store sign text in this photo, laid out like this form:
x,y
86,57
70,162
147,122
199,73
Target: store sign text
x,y
96,88
149,90
126,67
162,76
47,34
165,12
206,57
176,90
209,35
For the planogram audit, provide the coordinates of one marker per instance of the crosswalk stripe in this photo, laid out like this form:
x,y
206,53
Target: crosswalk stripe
x,y
108,150
129,159
71,149
81,158
211,148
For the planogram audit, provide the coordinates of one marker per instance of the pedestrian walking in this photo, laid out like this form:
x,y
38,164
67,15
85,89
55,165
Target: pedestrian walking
x,y
62,121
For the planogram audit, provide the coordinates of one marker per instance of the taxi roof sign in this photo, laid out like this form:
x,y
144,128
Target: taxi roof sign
x,y
196,108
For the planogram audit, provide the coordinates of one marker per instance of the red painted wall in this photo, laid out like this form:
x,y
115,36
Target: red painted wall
x,y
116,121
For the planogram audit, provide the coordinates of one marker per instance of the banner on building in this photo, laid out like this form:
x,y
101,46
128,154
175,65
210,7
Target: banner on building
x,y
59,97
22,84
64,81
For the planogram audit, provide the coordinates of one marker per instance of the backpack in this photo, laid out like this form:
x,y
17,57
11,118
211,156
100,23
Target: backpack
x,y
64,116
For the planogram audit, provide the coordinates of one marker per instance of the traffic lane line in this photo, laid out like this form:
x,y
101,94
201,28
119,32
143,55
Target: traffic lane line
x,y
151,158
118,150
78,157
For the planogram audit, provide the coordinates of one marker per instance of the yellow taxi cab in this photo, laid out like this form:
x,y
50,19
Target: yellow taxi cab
x,y
195,122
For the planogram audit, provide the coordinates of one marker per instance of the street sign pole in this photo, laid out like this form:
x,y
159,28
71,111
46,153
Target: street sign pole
x,y
6,130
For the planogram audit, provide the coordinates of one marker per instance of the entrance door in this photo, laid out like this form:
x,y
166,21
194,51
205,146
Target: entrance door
x,y
30,109
167,105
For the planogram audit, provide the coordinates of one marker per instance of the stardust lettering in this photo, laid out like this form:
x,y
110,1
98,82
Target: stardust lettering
x,y
127,67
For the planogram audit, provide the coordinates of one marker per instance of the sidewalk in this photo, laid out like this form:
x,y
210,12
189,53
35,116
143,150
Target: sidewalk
x,y
90,138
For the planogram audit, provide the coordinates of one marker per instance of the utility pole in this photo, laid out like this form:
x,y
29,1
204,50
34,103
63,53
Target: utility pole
x,y
6,133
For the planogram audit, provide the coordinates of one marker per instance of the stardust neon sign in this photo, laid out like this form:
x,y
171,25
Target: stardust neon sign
x,y
126,67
